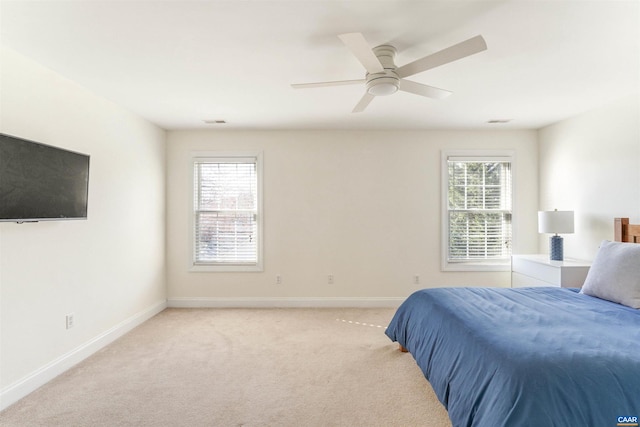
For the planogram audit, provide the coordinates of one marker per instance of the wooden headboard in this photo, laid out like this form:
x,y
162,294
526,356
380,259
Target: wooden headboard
x,y
625,232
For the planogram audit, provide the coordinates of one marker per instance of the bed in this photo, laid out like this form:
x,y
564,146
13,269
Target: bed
x,y
533,356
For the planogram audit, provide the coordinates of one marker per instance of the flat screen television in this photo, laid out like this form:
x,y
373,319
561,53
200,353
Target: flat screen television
x,y
39,182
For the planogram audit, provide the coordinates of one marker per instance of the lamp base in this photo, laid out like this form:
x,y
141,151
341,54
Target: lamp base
x,y
555,248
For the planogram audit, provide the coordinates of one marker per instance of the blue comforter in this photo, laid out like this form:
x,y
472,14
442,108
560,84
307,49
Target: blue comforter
x,y
524,357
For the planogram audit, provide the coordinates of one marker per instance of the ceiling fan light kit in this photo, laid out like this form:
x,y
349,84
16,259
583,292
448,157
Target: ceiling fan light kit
x,y
382,84
384,78
387,82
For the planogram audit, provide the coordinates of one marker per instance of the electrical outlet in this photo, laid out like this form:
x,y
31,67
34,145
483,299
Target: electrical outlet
x,y
416,279
71,320
330,279
278,279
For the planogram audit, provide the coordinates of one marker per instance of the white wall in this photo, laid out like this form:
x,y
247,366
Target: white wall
x,y
110,269
591,164
363,206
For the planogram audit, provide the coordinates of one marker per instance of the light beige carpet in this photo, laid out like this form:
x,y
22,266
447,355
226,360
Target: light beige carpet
x,y
242,367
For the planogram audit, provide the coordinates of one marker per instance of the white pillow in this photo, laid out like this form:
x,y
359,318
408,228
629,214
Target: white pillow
x,y
615,274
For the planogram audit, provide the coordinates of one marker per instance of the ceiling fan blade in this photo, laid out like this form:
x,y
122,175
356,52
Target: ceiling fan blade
x,y
423,90
325,84
457,51
360,48
364,101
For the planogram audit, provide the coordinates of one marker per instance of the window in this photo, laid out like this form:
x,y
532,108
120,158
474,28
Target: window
x,y
477,209
226,215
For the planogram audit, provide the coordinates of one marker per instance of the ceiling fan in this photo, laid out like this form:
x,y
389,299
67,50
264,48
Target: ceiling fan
x,y
384,78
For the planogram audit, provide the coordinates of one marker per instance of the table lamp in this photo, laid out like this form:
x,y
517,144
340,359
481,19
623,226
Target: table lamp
x,y
557,222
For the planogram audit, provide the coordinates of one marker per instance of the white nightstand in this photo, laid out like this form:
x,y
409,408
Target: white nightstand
x,y
539,270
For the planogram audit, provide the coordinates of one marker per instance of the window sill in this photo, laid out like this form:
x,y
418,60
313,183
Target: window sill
x,y
476,266
205,268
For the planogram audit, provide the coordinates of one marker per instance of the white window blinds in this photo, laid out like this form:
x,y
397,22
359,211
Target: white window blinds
x,y
226,211
479,209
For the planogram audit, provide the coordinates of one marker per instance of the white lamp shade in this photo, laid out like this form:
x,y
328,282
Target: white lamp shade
x,y
558,222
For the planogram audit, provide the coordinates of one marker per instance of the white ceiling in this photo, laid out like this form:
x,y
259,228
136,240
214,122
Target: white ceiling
x,y
177,63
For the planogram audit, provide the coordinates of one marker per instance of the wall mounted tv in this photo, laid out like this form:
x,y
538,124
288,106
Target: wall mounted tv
x,y
39,182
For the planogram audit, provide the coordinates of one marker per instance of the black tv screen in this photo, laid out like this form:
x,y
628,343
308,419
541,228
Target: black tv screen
x,y
39,182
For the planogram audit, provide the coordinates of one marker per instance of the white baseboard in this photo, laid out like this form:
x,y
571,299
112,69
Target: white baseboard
x,y
272,302
16,391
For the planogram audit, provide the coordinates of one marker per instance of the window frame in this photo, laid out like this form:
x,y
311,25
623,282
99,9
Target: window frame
x,y
477,155
220,156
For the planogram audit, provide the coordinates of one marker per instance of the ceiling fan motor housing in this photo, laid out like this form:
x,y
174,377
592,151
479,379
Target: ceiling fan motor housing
x,y
386,82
